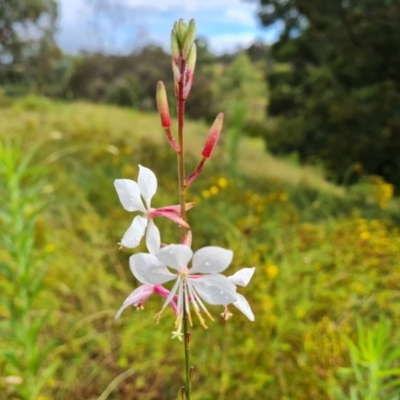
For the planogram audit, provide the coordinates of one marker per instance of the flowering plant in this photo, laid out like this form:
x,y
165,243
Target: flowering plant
x,y
202,282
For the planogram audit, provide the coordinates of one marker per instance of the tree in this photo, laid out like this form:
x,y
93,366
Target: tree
x,y
242,96
27,46
336,91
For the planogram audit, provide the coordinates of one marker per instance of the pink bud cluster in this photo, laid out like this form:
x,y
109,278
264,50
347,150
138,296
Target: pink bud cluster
x,y
184,55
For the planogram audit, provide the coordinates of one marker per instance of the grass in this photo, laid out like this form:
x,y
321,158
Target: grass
x,y
42,120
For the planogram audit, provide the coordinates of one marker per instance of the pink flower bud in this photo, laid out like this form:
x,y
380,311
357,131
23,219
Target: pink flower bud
x,y
162,105
213,136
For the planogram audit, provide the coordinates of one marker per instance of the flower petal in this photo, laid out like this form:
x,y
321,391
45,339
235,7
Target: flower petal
x,y
153,240
215,289
242,277
211,259
147,183
135,232
175,256
136,298
129,195
148,269
243,305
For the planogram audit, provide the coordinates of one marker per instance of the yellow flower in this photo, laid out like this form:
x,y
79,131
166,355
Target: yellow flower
x,y
222,183
49,248
206,194
300,313
214,190
365,235
272,271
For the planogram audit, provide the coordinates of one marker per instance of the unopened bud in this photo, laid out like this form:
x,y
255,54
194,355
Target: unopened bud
x,y
191,373
181,29
177,77
162,105
191,63
191,60
189,39
183,393
213,136
175,47
188,339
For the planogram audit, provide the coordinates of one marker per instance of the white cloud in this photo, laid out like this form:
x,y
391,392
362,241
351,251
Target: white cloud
x,y
241,16
231,42
118,26
184,6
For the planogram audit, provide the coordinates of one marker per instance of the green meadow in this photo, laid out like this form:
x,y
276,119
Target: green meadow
x,y
325,292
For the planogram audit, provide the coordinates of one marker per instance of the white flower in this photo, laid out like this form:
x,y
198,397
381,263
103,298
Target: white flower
x,y
212,287
241,278
136,196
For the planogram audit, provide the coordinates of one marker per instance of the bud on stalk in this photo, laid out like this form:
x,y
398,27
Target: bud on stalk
x,y
175,48
191,64
181,29
177,77
163,110
189,39
213,136
162,105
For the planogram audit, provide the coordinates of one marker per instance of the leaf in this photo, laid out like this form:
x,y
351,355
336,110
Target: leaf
x,y
12,357
5,270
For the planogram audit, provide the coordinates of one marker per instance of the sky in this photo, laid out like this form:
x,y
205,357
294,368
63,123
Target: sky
x,y
121,26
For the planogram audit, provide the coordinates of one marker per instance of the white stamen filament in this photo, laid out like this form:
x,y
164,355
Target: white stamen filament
x,y
169,298
178,322
187,302
197,297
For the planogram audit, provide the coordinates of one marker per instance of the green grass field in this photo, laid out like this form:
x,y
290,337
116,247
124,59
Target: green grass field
x,y
325,257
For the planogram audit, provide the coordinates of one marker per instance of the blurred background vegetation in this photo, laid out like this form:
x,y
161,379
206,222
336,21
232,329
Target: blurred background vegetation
x,y
303,186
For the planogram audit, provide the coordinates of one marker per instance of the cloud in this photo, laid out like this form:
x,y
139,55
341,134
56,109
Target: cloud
x,y
119,26
231,42
183,6
240,16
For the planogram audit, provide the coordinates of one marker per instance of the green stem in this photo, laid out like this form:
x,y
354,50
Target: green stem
x,y
182,201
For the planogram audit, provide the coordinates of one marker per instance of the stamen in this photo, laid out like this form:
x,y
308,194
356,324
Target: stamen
x,y
187,304
201,304
158,315
195,298
202,322
178,321
192,297
168,300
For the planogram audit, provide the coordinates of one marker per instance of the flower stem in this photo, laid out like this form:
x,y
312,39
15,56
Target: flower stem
x,y
182,201
181,153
